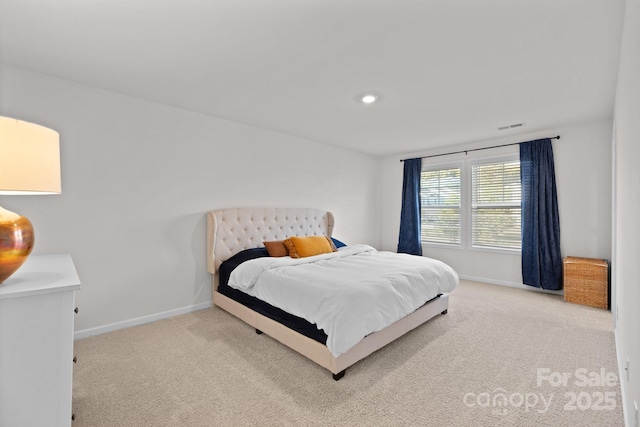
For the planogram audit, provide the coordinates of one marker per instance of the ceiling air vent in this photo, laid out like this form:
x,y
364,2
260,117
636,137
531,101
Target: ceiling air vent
x,y
515,125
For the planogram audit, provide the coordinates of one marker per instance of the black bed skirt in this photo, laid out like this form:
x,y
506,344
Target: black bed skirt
x,y
296,323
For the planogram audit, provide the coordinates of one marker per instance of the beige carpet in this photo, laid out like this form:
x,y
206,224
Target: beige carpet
x,y
210,369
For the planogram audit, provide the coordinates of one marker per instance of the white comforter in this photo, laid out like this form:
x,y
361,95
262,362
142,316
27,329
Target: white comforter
x,y
348,294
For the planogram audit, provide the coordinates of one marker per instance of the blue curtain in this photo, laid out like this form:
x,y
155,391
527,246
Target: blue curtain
x,y
409,239
541,259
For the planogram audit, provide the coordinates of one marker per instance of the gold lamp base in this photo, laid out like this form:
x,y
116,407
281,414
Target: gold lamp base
x,y
16,242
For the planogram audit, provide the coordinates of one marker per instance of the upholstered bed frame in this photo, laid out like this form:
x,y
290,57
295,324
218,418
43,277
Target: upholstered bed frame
x,y
230,231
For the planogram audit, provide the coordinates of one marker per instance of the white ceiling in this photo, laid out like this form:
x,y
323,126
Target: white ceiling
x,y
446,71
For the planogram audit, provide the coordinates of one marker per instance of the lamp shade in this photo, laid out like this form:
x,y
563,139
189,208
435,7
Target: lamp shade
x,y
29,158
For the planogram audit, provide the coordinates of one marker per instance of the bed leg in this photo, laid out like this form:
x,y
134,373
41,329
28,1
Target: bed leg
x,y
445,312
339,375
258,331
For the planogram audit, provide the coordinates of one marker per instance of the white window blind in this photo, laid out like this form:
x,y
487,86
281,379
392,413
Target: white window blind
x,y
495,205
440,210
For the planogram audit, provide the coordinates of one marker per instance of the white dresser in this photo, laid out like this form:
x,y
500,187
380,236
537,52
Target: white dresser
x,y
36,342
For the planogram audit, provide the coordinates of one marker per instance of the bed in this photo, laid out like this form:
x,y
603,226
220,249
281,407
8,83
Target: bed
x,y
232,233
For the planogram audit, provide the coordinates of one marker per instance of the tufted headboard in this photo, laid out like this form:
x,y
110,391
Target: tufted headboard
x,y
230,231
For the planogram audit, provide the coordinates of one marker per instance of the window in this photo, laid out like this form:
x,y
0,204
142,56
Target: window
x,y
440,206
473,204
495,204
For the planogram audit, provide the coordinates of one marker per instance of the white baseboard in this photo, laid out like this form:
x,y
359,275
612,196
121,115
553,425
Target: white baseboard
x,y
99,330
509,284
622,379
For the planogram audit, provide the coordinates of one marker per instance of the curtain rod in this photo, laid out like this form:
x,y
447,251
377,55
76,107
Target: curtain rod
x,y
473,149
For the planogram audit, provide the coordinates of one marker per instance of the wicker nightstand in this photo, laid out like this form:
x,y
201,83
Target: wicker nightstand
x,y
586,281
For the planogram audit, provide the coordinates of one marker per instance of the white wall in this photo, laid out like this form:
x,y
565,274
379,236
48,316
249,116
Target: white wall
x,y
138,178
626,273
583,178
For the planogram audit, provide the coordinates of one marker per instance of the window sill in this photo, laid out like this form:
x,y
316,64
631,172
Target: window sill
x,y
517,252
441,246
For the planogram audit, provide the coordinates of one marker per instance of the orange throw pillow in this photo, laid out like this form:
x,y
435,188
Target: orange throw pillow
x,y
276,248
300,247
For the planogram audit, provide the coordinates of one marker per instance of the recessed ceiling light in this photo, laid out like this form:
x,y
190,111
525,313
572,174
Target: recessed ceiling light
x,y
369,99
